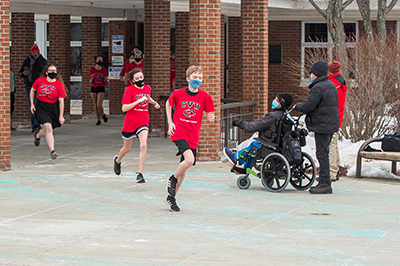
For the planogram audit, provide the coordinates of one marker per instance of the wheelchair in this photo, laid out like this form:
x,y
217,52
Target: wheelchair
x,y
272,167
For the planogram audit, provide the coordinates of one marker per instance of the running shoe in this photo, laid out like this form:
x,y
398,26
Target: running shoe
x,y
53,154
105,118
36,141
171,201
98,123
117,166
230,156
171,186
140,178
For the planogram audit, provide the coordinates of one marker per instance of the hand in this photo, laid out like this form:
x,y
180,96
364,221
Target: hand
x,y
156,105
26,72
144,98
33,109
210,117
236,122
61,120
171,129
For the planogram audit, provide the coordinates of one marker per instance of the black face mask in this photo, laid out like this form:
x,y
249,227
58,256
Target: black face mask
x,y
99,63
139,83
52,75
138,59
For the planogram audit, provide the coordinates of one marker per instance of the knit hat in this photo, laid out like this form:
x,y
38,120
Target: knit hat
x,y
35,48
285,99
319,68
334,67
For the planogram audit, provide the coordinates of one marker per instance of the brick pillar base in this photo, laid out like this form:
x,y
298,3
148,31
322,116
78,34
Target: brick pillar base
x,y
60,53
205,51
5,120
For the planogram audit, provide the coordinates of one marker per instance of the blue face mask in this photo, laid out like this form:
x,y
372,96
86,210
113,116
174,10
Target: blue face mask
x,y
311,77
131,60
195,84
274,104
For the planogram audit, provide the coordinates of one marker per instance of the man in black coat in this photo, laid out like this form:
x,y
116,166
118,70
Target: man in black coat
x,y
30,70
322,118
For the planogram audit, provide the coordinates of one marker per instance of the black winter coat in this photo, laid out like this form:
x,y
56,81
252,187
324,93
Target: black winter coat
x,y
321,106
264,125
36,69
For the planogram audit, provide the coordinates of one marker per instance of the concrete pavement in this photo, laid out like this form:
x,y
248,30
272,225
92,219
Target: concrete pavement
x,y
75,211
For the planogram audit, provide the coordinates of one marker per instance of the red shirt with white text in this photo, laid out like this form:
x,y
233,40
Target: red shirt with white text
x,y
48,92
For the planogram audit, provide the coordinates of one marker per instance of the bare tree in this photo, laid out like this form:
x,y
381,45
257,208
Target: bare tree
x,y
365,11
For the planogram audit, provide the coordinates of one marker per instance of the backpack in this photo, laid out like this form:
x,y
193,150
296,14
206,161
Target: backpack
x,y
291,147
391,142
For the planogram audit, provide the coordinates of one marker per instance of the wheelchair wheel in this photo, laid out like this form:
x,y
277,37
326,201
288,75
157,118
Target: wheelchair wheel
x,y
243,182
303,175
275,172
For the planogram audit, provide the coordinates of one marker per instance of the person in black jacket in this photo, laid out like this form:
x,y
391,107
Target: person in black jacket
x,y
30,70
266,127
322,118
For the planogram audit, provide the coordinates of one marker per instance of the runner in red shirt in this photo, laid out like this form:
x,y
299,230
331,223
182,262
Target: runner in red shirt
x,y
184,130
135,61
49,109
98,80
135,103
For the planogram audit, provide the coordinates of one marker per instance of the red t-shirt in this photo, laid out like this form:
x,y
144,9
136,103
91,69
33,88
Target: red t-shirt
x,y
130,66
99,79
48,92
138,115
188,114
342,90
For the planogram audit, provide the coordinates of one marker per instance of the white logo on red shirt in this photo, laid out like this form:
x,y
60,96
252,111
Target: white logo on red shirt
x,y
190,105
47,89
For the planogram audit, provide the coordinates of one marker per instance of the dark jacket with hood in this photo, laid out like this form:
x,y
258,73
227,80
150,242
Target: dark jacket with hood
x,y
265,126
321,106
35,67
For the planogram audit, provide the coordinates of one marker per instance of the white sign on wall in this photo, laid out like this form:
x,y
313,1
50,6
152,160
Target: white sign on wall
x,y
117,60
118,44
113,72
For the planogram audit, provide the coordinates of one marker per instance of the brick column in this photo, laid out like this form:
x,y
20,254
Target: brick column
x,y
91,47
5,119
205,51
22,37
157,65
234,58
60,52
116,87
222,55
181,48
255,54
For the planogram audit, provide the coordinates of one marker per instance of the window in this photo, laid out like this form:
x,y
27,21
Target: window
x,y
275,54
317,41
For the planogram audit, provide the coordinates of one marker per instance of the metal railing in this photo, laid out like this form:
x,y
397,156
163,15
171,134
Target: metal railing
x,y
231,136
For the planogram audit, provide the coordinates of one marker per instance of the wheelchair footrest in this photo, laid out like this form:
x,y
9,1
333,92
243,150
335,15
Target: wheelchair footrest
x,y
238,170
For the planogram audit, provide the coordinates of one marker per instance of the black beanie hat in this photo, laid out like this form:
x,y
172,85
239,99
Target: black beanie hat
x,y
319,68
285,99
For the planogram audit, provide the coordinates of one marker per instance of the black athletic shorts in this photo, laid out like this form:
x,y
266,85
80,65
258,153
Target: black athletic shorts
x,y
97,89
48,113
182,147
134,134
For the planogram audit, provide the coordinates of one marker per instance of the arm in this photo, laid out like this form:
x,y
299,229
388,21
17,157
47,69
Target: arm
x,y
310,103
152,101
32,99
127,107
210,117
263,123
22,72
61,103
171,125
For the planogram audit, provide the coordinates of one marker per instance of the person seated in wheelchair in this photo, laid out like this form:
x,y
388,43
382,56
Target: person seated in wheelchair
x,y
266,128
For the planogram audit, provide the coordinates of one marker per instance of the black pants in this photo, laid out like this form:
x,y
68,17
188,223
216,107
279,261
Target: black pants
x,y
322,141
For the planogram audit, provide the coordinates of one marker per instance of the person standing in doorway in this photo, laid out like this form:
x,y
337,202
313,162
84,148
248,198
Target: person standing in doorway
x,y
184,129
135,103
322,118
49,108
98,80
135,61
30,70
13,90
338,80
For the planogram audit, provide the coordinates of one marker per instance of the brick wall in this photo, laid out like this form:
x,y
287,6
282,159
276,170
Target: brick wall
x,y
157,63
205,51
60,52
22,37
234,58
222,55
91,47
181,48
255,54
5,119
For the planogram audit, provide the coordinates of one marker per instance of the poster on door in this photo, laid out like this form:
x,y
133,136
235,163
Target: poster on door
x,y
118,44
113,72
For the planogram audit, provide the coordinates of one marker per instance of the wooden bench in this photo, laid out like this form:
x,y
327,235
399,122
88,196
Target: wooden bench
x,y
394,157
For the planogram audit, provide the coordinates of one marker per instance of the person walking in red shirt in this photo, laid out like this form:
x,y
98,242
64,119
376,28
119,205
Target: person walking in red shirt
x,y
184,129
49,108
135,103
98,80
135,61
338,80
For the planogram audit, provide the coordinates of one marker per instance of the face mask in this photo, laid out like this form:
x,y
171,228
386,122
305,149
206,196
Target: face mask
x,y
139,83
311,77
52,75
274,104
99,63
131,60
195,84
138,60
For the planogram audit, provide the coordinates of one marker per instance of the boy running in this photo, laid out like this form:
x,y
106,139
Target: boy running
x,y
189,104
135,103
